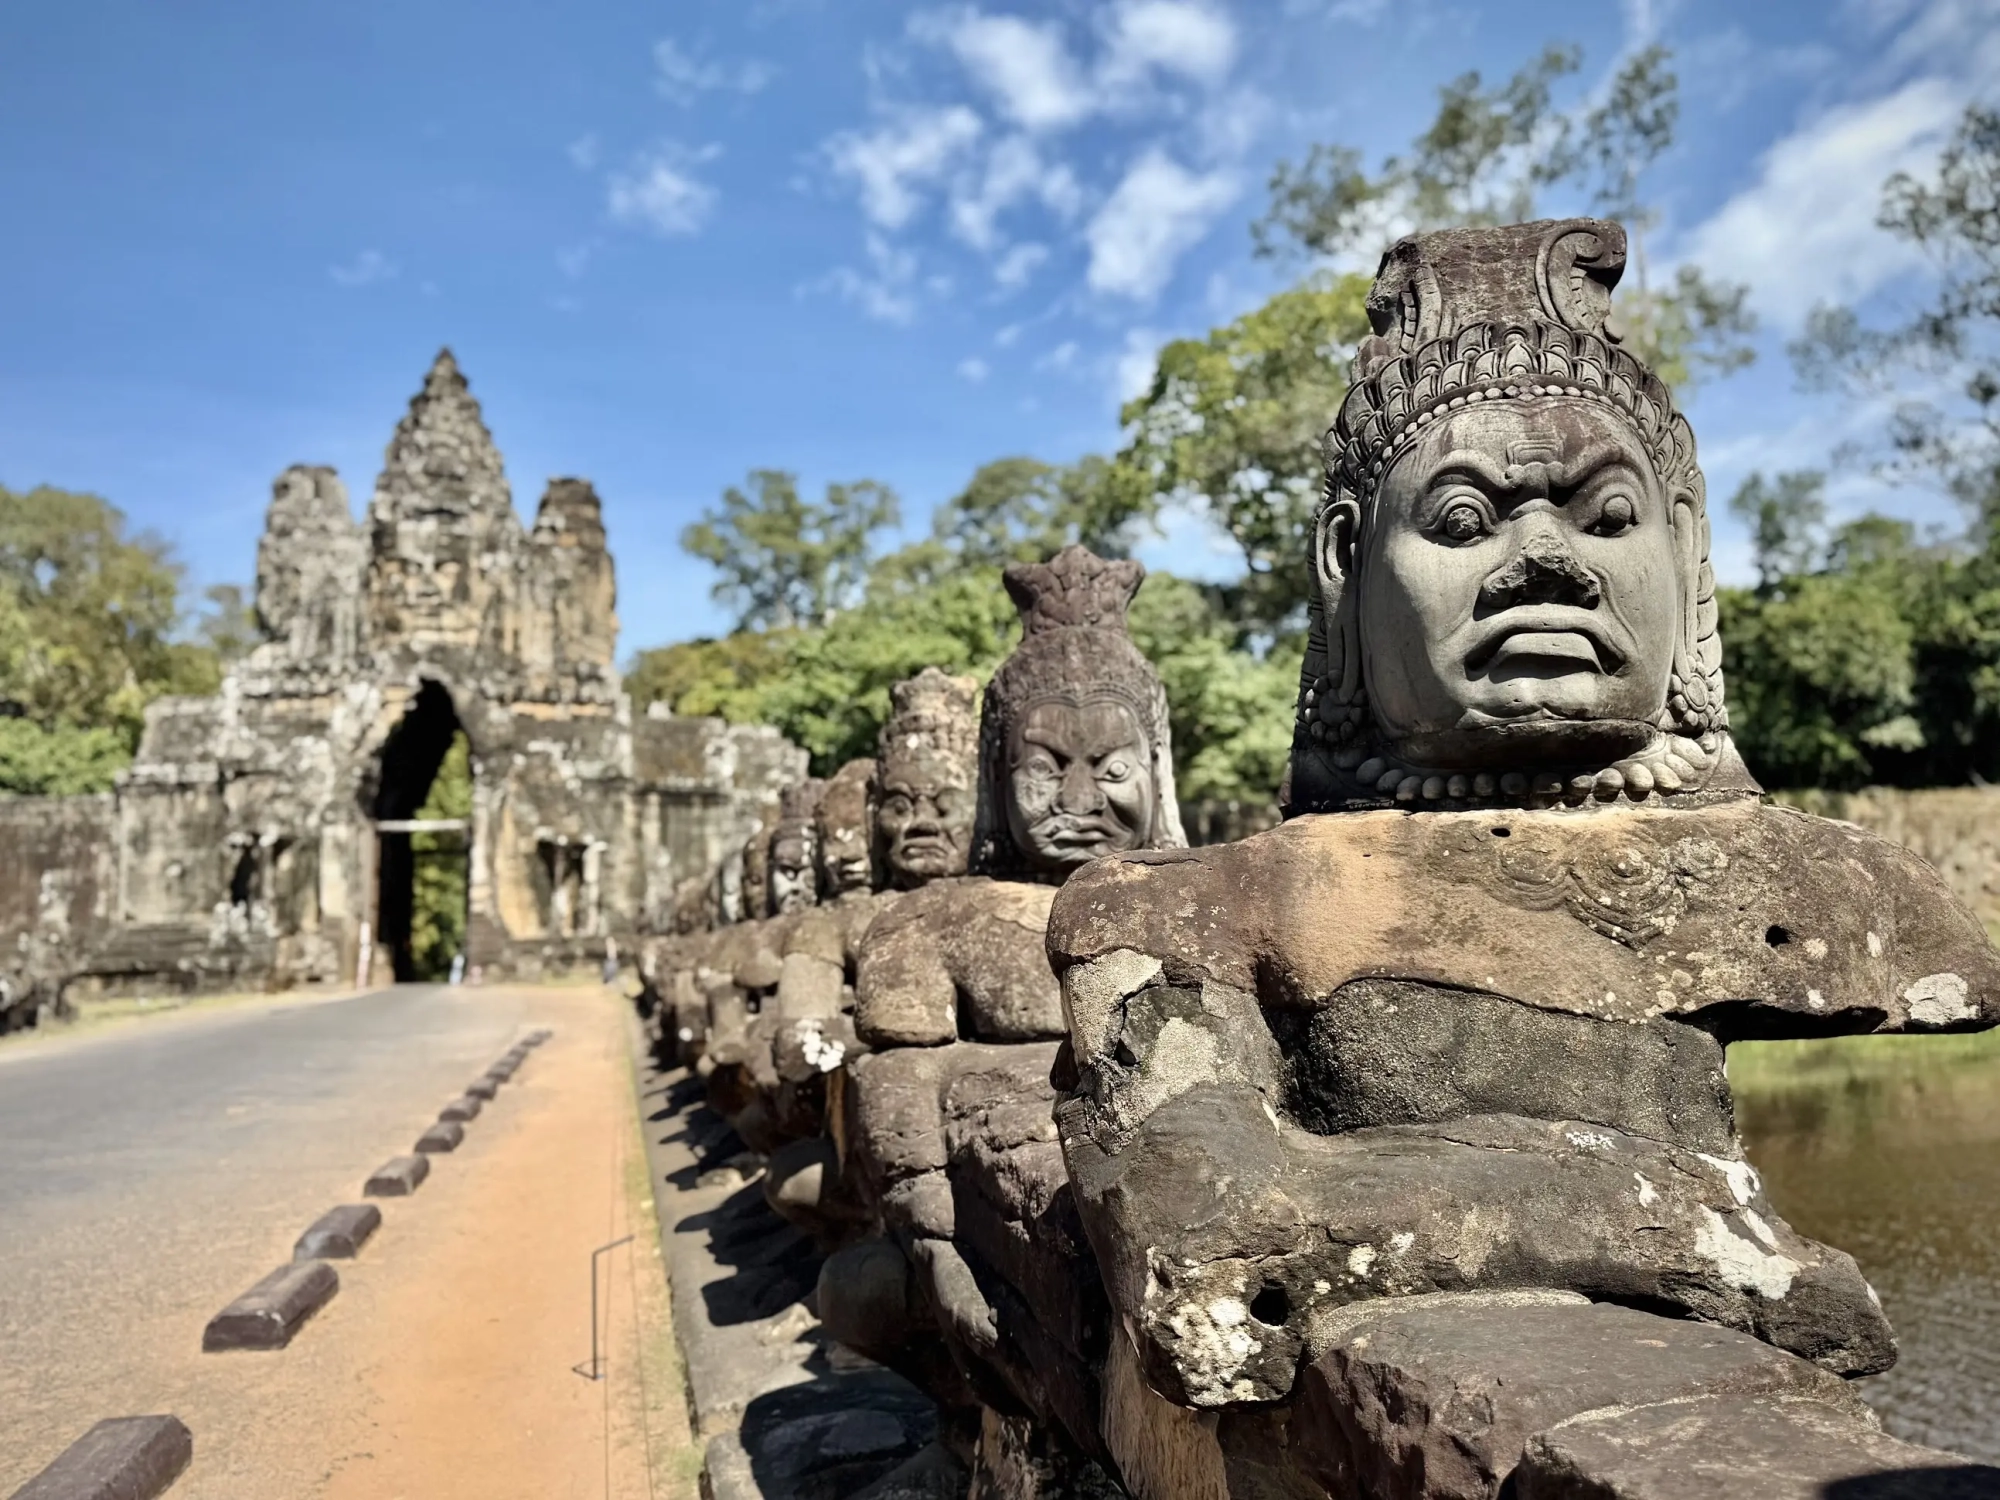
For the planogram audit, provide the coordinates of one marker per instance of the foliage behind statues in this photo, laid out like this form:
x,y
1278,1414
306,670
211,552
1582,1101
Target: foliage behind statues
x,y
90,619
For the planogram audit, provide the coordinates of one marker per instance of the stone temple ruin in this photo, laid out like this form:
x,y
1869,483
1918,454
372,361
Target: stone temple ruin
x,y
262,836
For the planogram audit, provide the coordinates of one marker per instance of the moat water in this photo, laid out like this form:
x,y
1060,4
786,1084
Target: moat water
x,y
1889,1147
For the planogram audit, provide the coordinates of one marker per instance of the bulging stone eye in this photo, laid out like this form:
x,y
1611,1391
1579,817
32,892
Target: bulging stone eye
x,y
1619,514
1462,522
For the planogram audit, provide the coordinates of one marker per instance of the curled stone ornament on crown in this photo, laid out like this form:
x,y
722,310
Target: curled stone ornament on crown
x,y
1512,600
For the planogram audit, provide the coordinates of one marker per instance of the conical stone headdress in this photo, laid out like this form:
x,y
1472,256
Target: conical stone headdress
x,y
1461,318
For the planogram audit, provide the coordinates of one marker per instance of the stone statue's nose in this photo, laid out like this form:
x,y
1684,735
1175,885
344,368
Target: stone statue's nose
x,y
1080,792
1544,571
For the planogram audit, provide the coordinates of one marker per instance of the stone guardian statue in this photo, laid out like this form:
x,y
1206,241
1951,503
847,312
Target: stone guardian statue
x,y
1458,1026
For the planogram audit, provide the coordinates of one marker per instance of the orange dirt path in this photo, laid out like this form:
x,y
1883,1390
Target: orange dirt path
x,y
480,1306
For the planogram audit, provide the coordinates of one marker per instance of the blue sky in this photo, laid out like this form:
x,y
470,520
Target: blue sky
x,y
670,243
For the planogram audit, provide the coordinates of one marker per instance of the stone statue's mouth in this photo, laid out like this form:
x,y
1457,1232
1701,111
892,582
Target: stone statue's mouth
x,y
1075,833
1537,639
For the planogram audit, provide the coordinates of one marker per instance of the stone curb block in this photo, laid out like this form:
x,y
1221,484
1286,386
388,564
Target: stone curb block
x,y
443,1136
536,1037
460,1109
121,1458
339,1233
398,1177
482,1088
502,1070
266,1316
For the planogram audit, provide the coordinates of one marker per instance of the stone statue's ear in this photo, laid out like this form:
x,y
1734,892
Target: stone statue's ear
x,y
1335,554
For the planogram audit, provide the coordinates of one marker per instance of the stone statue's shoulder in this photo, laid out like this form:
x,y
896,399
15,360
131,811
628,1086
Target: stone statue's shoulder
x,y
967,898
1205,909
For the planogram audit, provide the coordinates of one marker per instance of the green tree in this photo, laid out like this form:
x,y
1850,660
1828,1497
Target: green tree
x,y
89,616
1479,162
1231,711
438,884
1231,426
59,762
1953,342
1485,159
228,626
708,676
786,560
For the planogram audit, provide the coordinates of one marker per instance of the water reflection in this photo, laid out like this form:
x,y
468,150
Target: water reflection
x,y
1886,1147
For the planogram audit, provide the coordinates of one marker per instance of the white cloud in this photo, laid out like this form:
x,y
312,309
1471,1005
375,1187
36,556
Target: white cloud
x,y
1018,264
1026,68
1033,78
1805,231
1154,216
1062,357
683,77
366,269
1196,41
1014,171
1956,37
573,259
891,165
973,370
583,153
660,192
885,291
1132,372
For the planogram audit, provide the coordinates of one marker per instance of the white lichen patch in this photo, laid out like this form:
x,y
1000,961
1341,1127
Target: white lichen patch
x,y
1874,946
1212,1343
1815,999
1588,1140
1360,1258
1939,1000
1183,1056
820,1052
1648,1194
1741,1260
1399,1244
1740,1175
1759,1228
1816,949
1094,993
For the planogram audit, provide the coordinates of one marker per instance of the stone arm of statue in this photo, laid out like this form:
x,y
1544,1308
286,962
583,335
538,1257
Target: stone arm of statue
x,y
1292,1087
959,959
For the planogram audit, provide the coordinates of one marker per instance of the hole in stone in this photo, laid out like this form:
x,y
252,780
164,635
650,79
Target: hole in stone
x,y
1271,1306
1503,833
1125,1055
1776,936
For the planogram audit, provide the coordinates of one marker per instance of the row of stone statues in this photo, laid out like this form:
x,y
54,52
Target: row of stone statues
x,y
1130,1154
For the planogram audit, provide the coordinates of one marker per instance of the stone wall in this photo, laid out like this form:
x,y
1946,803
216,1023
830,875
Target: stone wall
x,y
55,895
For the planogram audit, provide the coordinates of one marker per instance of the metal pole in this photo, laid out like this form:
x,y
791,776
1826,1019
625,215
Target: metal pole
x,y
595,1370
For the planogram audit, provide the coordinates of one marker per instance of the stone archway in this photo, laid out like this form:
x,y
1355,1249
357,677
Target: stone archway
x,y
420,859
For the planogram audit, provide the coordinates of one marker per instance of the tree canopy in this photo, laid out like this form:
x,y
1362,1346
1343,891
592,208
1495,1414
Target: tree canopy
x,y
90,617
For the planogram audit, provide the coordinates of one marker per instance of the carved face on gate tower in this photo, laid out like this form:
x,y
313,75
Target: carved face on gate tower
x,y
1514,596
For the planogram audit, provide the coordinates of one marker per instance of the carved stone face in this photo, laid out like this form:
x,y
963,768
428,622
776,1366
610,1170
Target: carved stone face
x,y
925,817
1079,783
1519,592
792,883
843,862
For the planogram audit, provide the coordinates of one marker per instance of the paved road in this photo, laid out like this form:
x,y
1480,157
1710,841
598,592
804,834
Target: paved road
x,y
150,1173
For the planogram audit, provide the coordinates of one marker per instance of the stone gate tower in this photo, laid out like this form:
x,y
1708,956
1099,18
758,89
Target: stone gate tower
x,y
261,832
